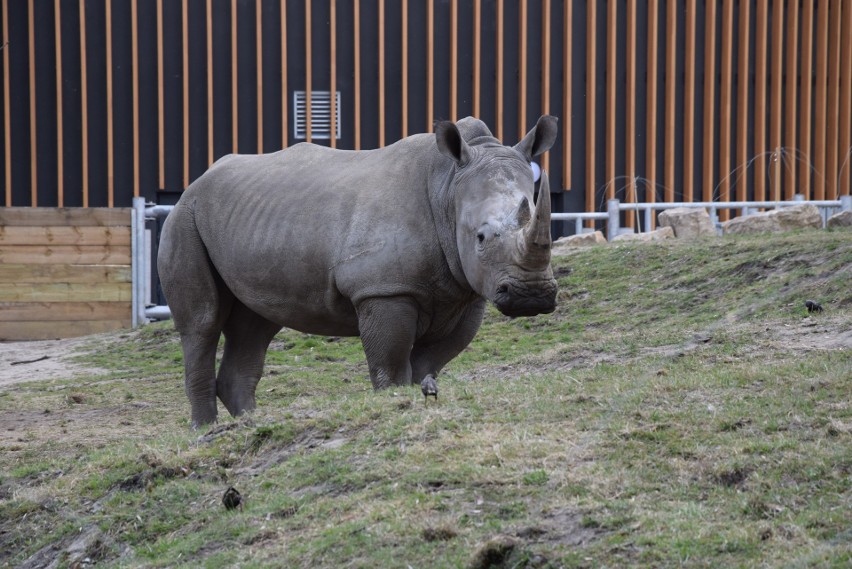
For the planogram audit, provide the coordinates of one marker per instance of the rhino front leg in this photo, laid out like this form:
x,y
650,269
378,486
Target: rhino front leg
x,y
429,357
388,327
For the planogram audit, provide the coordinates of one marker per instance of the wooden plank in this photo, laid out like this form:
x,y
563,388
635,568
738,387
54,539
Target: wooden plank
x,y
545,71
308,69
84,105
285,107
235,115
110,121
630,114
709,99
18,331
790,100
184,10
833,107
161,133
741,179
33,146
725,104
567,67
805,108
65,292
357,41
522,68
67,254
591,65
498,95
777,91
58,311
258,25
210,121
689,104
62,273
7,121
404,32
651,108
454,60
761,25
381,73
671,102
845,144
611,42
22,235
820,99
52,216
333,69
477,57
60,145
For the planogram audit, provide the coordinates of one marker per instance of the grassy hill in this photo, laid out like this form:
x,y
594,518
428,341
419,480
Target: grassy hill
x,y
681,408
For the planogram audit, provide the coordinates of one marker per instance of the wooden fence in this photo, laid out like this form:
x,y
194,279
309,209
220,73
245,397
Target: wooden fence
x,y
63,272
671,100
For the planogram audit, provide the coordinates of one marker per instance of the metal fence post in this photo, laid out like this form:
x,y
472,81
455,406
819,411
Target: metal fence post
x,y
613,224
137,271
845,203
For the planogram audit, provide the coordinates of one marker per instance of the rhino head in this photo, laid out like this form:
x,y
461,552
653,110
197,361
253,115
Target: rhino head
x,y
503,242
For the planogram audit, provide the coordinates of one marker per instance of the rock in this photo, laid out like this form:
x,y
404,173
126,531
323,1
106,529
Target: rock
x,y
784,219
656,235
688,222
842,219
563,245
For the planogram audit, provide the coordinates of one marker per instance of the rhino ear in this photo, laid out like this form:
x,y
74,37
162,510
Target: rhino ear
x,y
451,143
539,139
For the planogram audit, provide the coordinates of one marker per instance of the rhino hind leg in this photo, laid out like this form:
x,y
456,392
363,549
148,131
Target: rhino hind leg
x,y
387,327
429,357
247,337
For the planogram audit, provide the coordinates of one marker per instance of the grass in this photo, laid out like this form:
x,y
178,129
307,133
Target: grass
x,y
679,409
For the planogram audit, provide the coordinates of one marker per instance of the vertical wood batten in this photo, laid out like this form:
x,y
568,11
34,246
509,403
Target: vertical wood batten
x,y
209,39
741,179
184,9
709,99
843,187
611,42
110,123
833,107
820,99
805,100
725,106
567,55
308,70
522,68
545,70
671,93
790,153
630,112
689,103
591,42
357,41
499,87
333,68
285,108
258,24
134,33
405,68
761,24
234,108
430,65
651,108
33,154
84,105
776,86
60,163
454,60
161,134
7,113
381,73
477,56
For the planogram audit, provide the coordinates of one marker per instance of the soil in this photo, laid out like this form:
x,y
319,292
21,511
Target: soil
x,y
44,360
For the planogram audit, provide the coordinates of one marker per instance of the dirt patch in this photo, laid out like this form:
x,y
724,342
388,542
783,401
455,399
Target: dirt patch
x,y
46,359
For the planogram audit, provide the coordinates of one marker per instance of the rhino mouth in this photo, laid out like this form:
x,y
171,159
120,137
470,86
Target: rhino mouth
x,y
526,298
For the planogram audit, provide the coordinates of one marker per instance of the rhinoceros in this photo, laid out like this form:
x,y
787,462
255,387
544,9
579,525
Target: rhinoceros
x,y
401,246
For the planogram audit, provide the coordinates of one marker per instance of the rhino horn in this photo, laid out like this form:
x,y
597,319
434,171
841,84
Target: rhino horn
x,y
537,238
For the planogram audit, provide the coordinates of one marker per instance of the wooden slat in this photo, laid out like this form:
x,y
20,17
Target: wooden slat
x,y
498,95
23,235
381,73
235,115
259,55
806,91
68,311
357,33
110,121
725,103
689,104
591,63
18,273
454,60
709,99
51,216
741,179
477,57
671,93
309,85
630,114
404,32
185,72
776,75
567,74
210,121
791,155
33,151
16,331
68,254
134,33
611,42
60,145
651,107
285,107
333,69
820,99
161,122
845,143
65,292
545,71
522,68
761,25
7,121
833,107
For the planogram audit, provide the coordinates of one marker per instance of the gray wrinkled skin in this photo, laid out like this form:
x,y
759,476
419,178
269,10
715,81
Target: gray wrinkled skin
x,y
402,245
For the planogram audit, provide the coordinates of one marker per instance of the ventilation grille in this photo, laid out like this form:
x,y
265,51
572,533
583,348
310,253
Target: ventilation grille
x,y
320,114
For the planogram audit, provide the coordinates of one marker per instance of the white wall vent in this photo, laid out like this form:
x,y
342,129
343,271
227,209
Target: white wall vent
x,y
320,114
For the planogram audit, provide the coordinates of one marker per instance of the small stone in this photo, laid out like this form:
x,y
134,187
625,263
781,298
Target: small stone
x,y
783,219
564,245
842,219
688,222
656,235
